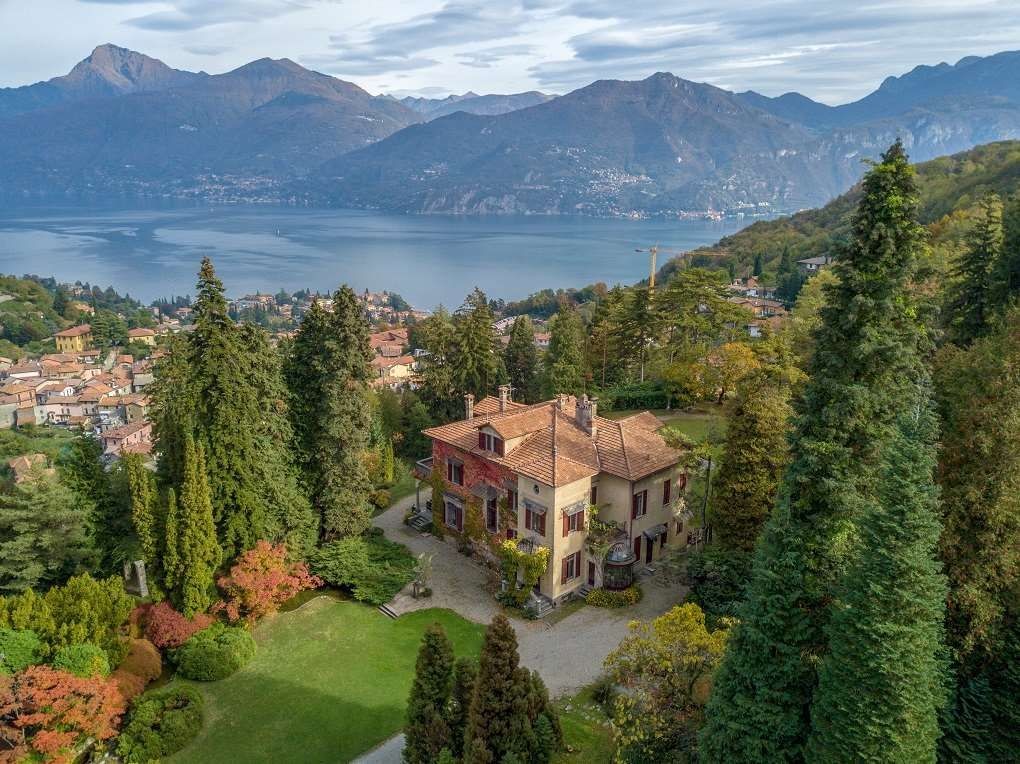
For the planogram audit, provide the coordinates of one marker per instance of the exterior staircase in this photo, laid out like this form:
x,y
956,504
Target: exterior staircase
x,y
584,589
385,610
420,522
540,605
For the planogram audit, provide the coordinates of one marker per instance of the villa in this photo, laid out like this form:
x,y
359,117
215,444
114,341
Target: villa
x,y
534,473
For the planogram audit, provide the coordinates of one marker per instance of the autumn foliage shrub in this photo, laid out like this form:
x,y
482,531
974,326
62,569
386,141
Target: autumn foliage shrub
x,y
215,653
167,629
260,581
45,713
160,724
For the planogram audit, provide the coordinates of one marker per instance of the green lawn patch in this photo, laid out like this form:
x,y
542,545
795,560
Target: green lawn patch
x,y
34,440
404,484
329,682
696,422
586,731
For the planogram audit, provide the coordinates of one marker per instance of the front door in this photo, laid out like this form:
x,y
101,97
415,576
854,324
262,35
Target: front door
x,y
649,546
591,573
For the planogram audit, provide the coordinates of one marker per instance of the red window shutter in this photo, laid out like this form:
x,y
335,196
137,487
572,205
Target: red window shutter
x,y
666,490
644,502
566,525
499,447
682,482
460,519
481,440
633,506
637,547
541,524
563,570
449,471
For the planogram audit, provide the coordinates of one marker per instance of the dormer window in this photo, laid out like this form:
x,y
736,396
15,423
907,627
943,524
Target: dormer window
x,y
492,443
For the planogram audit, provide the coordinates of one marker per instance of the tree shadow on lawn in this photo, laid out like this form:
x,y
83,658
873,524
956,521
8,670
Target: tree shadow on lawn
x,y
285,721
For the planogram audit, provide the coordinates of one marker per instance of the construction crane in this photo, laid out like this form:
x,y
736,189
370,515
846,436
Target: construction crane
x,y
654,251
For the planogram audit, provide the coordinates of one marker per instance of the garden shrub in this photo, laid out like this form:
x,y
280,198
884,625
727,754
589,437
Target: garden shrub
x,y
380,499
342,562
160,723
613,599
82,660
261,580
167,629
372,568
603,691
215,653
89,610
19,648
143,660
717,579
128,685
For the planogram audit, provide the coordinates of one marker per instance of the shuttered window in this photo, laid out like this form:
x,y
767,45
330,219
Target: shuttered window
x,y
639,505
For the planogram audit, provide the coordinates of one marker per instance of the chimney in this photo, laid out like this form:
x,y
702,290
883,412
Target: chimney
x,y
504,397
469,406
585,414
561,401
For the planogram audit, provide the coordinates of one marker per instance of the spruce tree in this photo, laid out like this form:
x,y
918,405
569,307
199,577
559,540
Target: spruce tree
x,y
521,359
328,373
880,685
970,308
438,390
497,721
564,360
465,672
477,367
1006,270
227,417
81,469
172,410
754,457
863,370
198,553
426,731
171,562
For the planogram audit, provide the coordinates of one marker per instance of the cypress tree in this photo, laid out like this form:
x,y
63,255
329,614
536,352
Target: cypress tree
x,y
754,457
971,304
328,373
172,410
464,674
880,685
426,732
477,367
521,359
864,366
564,360
497,721
198,553
759,265
171,562
143,514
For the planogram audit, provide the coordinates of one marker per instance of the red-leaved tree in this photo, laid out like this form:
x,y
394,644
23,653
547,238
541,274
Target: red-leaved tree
x,y
260,581
166,628
55,710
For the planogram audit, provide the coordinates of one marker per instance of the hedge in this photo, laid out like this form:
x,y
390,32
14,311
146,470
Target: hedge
x,y
613,599
644,395
19,649
214,653
84,660
160,723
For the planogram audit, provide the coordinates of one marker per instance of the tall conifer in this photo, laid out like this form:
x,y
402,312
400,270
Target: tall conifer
x,y
198,553
521,359
863,371
564,360
427,731
328,373
477,367
971,307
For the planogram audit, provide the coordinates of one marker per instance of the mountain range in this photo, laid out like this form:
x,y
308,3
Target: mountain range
x,y
124,124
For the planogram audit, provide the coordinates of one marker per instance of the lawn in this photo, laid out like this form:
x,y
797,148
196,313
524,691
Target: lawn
x,y
330,681
34,440
586,731
695,422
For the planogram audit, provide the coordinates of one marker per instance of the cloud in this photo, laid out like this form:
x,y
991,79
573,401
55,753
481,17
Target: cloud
x,y
207,50
485,59
189,15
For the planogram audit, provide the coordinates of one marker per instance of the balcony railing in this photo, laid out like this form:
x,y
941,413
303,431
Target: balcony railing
x,y
423,469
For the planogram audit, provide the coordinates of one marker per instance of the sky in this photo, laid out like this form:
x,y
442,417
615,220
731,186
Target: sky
x,y
831,50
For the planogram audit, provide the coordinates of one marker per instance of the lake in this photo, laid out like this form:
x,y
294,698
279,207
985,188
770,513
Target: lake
x,y
154,251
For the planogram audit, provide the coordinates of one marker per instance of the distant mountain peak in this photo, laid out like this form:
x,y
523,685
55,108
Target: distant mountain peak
x,y
120,70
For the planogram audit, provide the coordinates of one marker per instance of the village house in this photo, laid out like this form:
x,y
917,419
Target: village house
x,y
142,335
23,467
542,340
389,343
811,265
532,473
129,438
74,340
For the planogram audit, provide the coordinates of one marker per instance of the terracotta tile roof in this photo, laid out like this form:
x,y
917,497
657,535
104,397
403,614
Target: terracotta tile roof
x,y
382,362
141,332
630,448
124,431
75,331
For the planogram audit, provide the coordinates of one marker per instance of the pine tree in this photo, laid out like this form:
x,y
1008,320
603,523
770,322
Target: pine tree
x,y
564,360
970,307
521,359
603,363
477,367
426,732
863,369
465,672
43,537
754,457
81,469
1006,270
634,327
328,373
143,506
198,553
172,410
788,279
497,721
880,685
759,265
